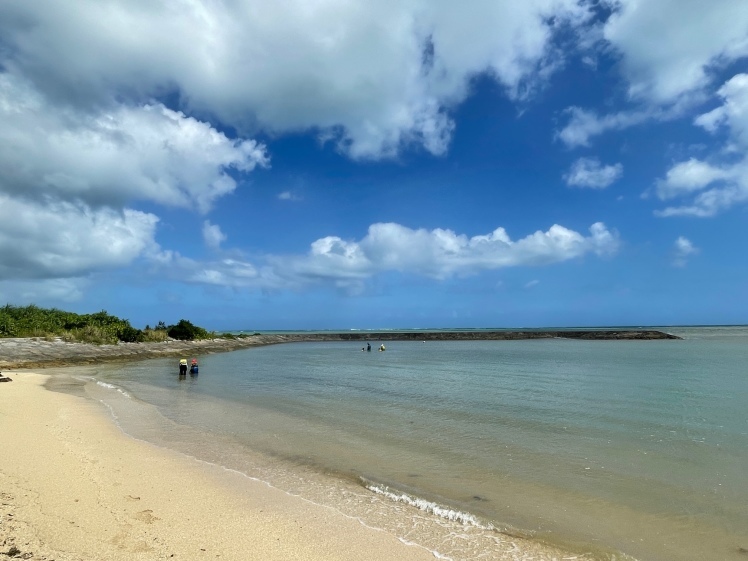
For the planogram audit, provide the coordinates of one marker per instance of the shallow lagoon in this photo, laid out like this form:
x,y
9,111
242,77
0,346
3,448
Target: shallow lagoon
x,y
600,446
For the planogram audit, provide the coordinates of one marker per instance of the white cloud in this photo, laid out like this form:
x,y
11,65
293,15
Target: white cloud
x,y
68,175
584,124
532,283
373,76
733,113
668,47
439,253
668,52
589,172
60,239
289,196
147,152
711,202
227,272
683,250
43,291
687,177
212,235
718,185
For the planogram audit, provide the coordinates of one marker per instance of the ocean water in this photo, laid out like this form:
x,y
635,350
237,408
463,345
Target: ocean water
x,y
543,449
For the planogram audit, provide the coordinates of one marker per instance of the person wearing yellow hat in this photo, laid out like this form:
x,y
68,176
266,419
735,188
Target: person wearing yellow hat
x,y
183,367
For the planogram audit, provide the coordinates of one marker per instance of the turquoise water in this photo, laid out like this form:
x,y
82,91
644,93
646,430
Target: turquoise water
x,y
607,449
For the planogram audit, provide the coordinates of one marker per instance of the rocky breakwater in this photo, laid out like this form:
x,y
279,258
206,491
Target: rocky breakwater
x,y
498,335
54,352
38,352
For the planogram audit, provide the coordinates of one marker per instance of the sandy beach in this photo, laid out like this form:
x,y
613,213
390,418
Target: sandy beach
x,y
74,487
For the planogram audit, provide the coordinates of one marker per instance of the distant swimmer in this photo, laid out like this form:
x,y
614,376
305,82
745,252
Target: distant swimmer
x,y
368,347
381,347
183,367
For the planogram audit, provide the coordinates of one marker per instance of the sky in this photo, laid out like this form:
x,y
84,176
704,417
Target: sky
x,y
342,164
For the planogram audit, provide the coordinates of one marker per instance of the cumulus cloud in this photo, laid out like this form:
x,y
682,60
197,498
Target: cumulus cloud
x,y
61,239
712,187
69,174
668,47
370,76
147,152
86,129
439,253
668,51
733,113
42,291
590,173
389,247
687,177
683,250
212,235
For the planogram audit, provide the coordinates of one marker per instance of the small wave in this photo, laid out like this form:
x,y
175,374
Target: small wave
x,y
112,387
427,506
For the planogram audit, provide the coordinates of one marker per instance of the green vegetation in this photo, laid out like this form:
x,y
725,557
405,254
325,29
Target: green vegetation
x,y
185,331
99,328
232,336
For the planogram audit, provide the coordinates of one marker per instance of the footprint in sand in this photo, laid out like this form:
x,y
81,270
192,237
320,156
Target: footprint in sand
x,y
146,516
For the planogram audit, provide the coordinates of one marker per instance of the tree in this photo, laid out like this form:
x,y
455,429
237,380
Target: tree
x,y
186,331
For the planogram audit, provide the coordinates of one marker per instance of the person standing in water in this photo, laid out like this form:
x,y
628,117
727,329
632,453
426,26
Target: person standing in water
x,y
368,347
183,367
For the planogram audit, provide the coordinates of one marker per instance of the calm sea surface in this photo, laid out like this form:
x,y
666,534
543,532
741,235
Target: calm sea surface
x,y
608,449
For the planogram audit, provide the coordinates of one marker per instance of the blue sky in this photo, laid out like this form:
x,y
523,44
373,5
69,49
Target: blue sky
x,y
336,164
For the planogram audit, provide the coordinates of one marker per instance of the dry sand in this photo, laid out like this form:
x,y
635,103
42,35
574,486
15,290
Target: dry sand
x,y
74,487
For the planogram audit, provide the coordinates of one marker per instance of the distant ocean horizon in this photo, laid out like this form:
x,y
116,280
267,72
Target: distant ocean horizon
x,y
447,329
609,450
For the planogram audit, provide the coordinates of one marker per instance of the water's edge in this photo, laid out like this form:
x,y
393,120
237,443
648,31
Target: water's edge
x,y
450,532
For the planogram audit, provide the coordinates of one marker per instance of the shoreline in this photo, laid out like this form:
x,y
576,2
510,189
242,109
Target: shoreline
x,y
38,352
77,488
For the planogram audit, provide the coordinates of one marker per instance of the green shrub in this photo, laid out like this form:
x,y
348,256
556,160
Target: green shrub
x,y
186,331
98,328
155,335
91,334
129,334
